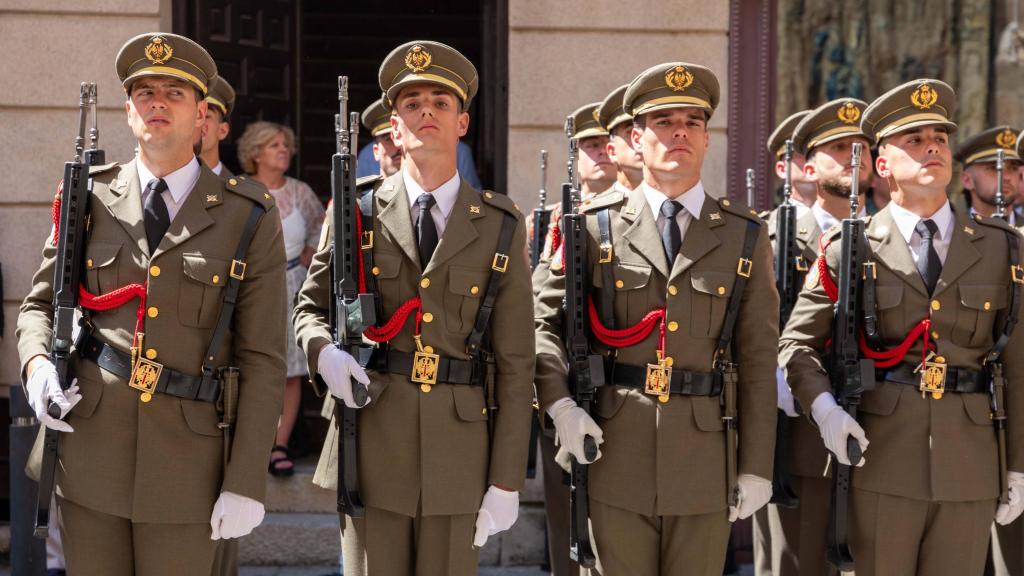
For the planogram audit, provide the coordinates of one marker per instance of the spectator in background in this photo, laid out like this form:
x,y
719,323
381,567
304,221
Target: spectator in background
x,y
387,154
265,152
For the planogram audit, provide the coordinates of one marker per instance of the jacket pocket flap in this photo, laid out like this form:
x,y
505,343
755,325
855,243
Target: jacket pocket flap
x,y
882,400
205,270
387,264
201,417
983,297
467,281
713,282
629,276
707,413
100,254
977,408
469,403
888,296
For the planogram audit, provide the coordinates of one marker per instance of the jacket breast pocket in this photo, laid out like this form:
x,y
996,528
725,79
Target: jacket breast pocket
x,y
709,299
101,266
386,268
632,292
976,313
466,287
890,313
201,290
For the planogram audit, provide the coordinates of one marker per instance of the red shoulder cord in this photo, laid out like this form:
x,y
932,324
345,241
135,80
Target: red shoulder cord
x,y
882,358
629,336
114,298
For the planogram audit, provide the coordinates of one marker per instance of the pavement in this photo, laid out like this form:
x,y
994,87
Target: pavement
x,y
746,570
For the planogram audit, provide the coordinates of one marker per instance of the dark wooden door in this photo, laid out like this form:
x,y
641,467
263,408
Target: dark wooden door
x,y
255,44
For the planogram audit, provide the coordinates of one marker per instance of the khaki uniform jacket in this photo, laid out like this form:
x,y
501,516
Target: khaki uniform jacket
x,y
921,448
161,461
669,459
807,453
429,452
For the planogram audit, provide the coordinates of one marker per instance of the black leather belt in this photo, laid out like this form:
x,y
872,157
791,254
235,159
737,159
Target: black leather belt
x,y
685,382
959,380
449,370
293,263
171,382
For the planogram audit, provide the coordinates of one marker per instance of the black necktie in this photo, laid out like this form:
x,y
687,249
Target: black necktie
x,y
928,263
154,211
426,230
670,237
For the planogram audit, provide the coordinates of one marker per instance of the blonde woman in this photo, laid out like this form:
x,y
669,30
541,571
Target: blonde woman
x,y
265,152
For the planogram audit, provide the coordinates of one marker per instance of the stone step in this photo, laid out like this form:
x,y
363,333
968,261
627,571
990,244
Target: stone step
x,y
292,539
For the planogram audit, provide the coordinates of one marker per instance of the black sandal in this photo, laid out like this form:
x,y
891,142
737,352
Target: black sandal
x,y
281,472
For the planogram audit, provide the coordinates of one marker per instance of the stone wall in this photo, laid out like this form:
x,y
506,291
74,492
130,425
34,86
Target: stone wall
x,y
49,49
563,55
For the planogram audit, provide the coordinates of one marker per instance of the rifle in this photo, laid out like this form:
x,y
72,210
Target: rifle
x,y
352,312
851,375
586,370
1000,197
789,287
541,215
750,187
76,189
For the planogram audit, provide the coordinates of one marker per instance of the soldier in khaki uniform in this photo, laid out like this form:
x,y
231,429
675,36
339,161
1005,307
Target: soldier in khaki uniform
x,y
386,150
978,178
141,481
613,118
434,484
824,139
659,494
220,102
924,496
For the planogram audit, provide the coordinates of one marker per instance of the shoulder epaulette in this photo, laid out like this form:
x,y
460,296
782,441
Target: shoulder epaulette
x,y
101,168
250,189
603,200
739,209
362,183
765,214
994,222
501,201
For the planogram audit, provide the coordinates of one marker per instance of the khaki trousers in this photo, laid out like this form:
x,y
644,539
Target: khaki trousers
x,y
798,534
98,544
1008,548
556,506
762,543
631,544
225,563
384,543
894,536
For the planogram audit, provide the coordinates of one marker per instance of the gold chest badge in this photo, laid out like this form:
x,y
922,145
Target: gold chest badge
x,y
145,376
158,51
424,365
678,78
659,379
417,59
933,376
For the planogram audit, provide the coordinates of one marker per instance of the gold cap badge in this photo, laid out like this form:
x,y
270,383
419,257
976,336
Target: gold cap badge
x,y
848,113
417,59
678,78
1006,139
597,117
924,97
159,51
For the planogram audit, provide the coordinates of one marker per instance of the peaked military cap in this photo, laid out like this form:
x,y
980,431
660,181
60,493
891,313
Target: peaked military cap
x,y
982,147
783,132
163,54
221,95
917,103
833,120
672,85
586,122
377,118
431,62
611,113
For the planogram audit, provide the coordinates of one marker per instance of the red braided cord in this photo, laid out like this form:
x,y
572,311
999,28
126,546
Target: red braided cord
x,y
56,210
394,325
359,235
627,336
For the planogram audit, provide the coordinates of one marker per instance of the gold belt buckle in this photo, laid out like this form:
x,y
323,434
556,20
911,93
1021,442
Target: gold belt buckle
x,y
658,380
605,254
424,366
145,376
933,377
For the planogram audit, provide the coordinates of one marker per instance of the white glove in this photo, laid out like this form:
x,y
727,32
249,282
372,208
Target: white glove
x,y
835,426
752,492
572,425
1007,513
234,516
42,388
338,369
786,403
498,513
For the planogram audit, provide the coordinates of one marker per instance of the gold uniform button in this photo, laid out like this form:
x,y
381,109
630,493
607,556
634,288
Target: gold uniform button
x,y
154,271
726,203
619,283
216,279
488,195
474,290
673,326
428,317
987,305
673,290
721,290
151,353
425,283
668,361
89,262
153,312
376,271
233,182
935,335
936,305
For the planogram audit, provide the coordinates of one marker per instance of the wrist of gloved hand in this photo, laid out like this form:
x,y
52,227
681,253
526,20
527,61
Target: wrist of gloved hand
x,y
498,512
836,428
43,390
235,516
752,492
573,427
1007,512
344,377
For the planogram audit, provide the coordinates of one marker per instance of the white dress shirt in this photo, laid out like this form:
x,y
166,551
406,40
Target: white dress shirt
x,y
826,220
218,168
179,184
692,201
445,196
907,220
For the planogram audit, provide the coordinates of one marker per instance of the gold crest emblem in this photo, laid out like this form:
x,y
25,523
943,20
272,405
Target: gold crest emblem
x,y
1006,139
159,51
417,59
848,113
924,97
678,78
